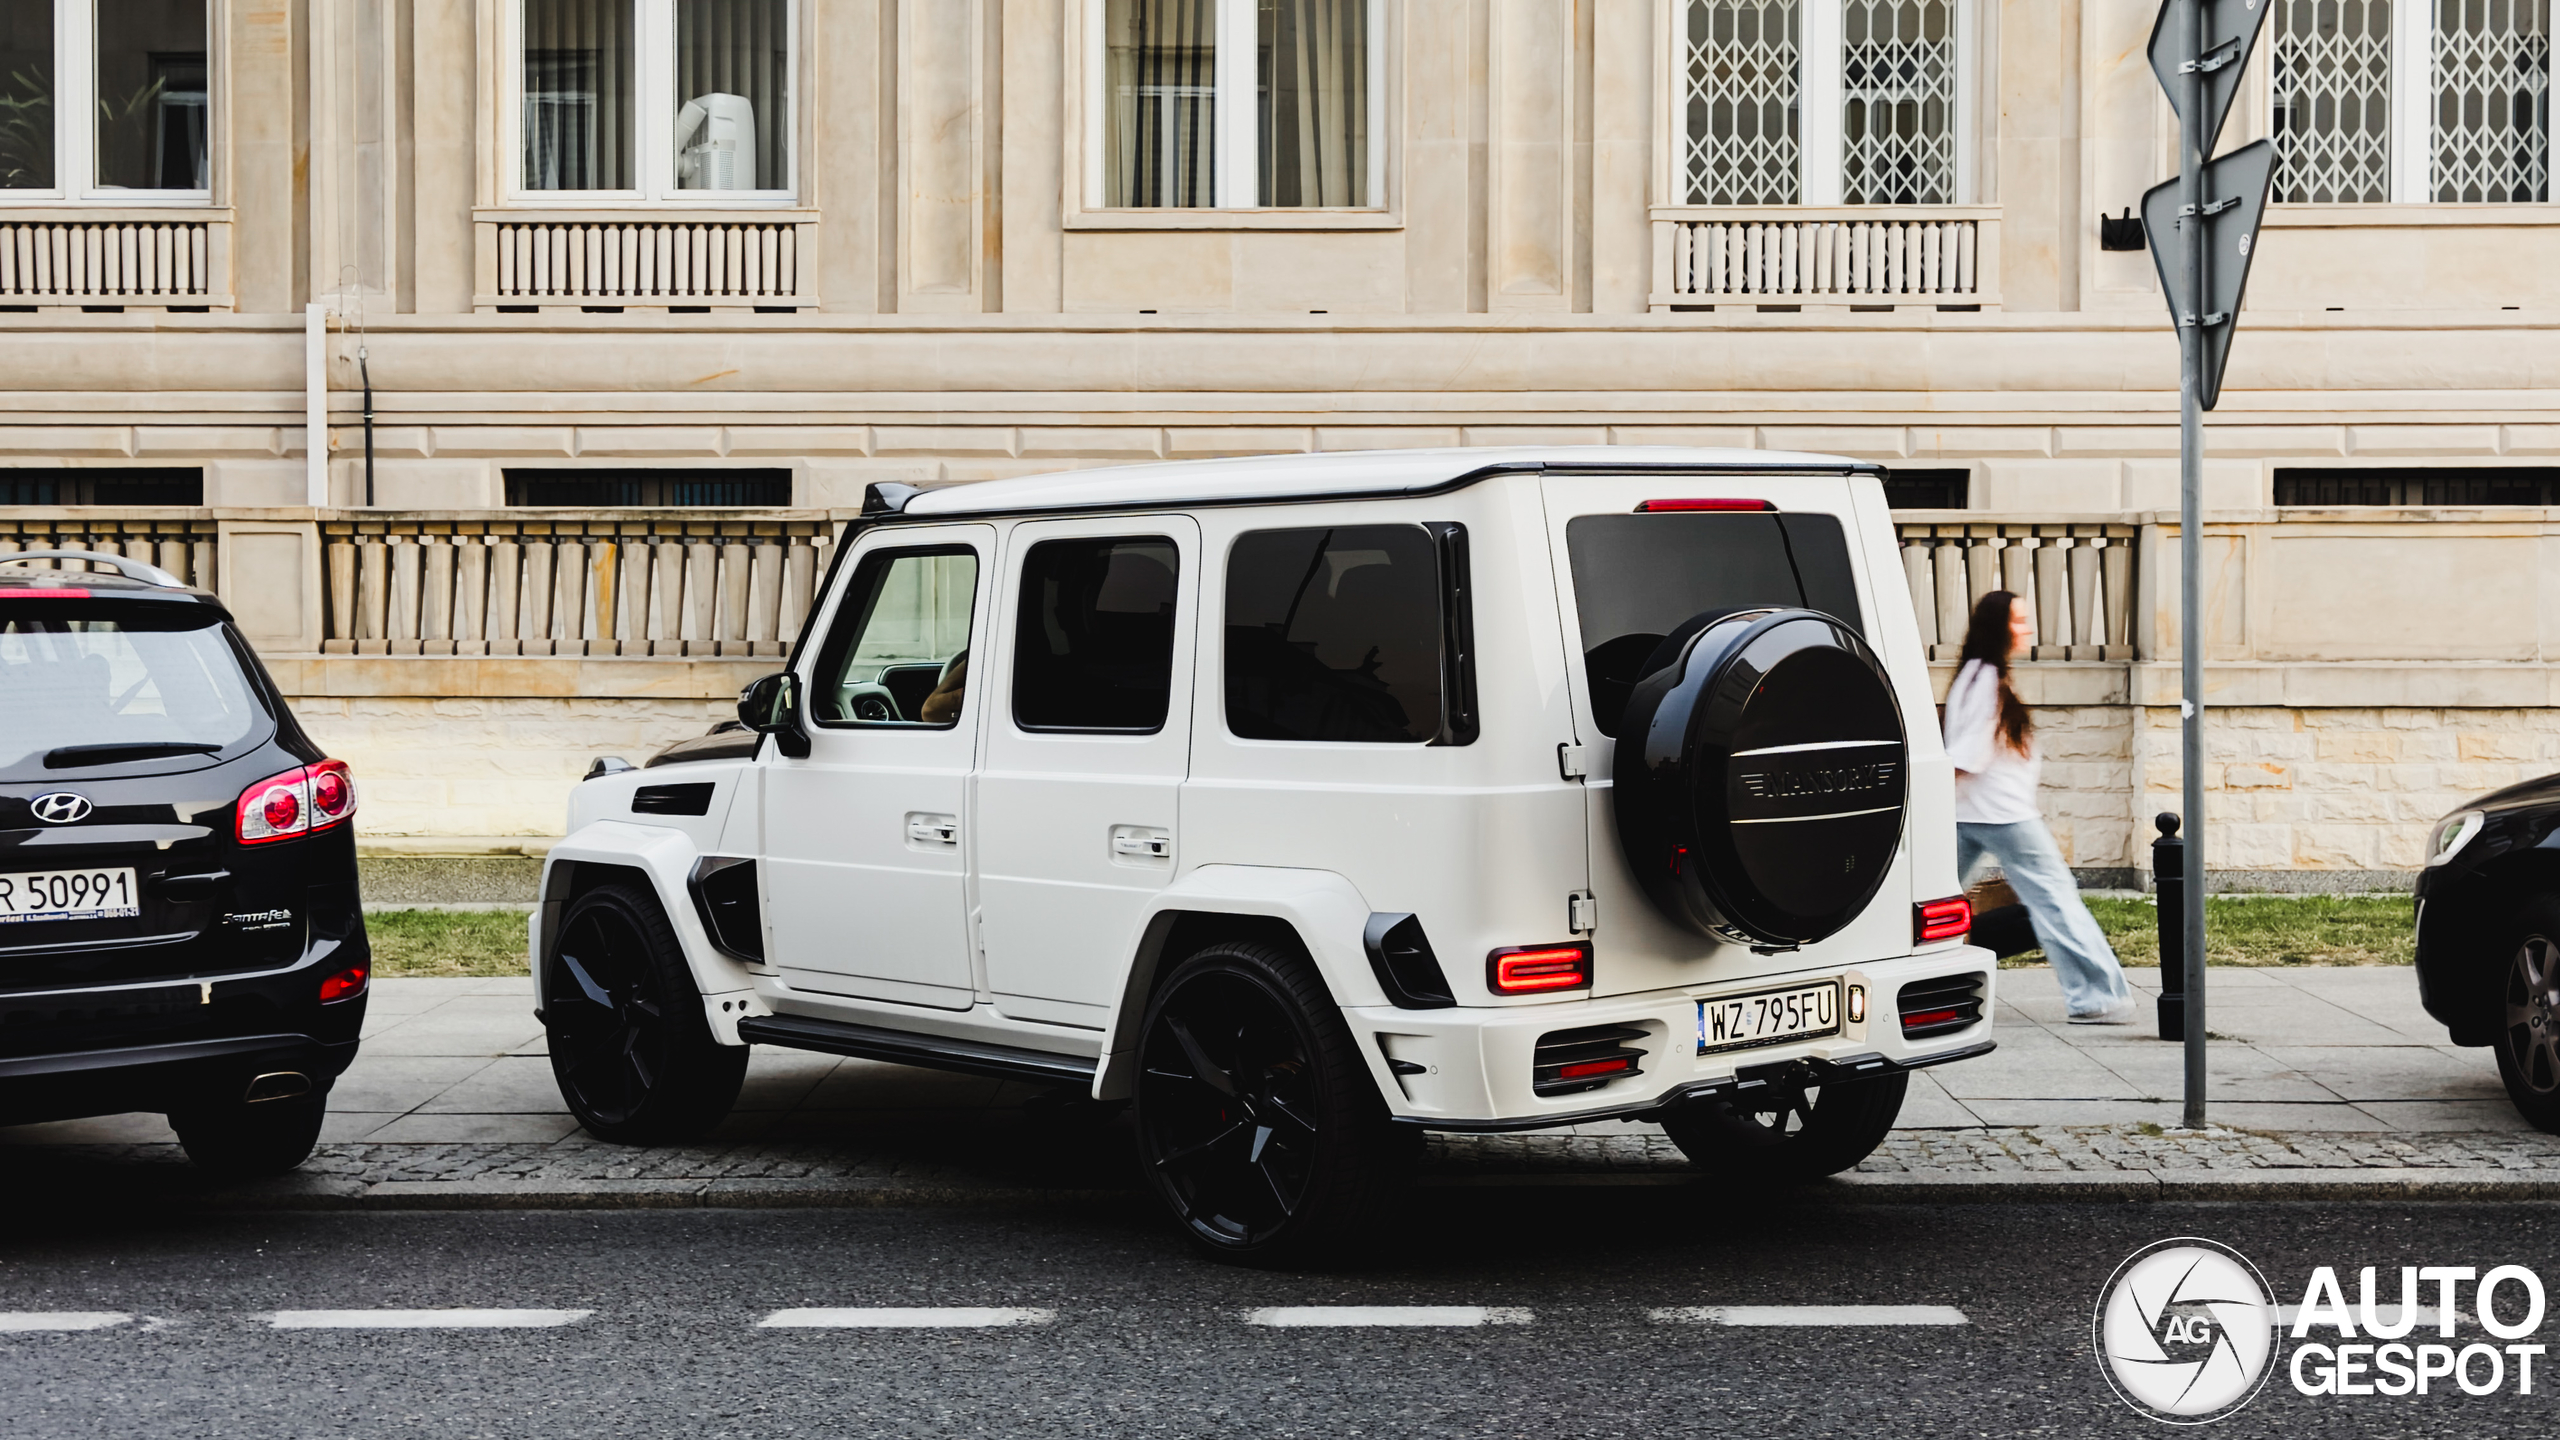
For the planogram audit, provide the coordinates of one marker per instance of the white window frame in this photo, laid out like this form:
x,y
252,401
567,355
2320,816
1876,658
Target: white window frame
x,y
1820,87
75,94
1238,147
2412,128
653,139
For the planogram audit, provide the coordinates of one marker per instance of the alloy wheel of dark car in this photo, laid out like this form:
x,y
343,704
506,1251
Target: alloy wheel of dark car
x,y
2530,1031
634,1057
1255,1120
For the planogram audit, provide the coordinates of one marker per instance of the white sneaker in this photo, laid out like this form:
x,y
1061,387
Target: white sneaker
x,y
2121,1015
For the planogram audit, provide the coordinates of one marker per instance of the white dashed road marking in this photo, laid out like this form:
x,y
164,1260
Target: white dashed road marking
x,y
877,1317
1810,1315
425,1319
25,1322
1300,1316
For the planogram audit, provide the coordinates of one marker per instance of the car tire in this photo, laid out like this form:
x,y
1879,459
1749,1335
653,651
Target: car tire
x,y
2526,1014
1258,1122
246,1141
1787,1134
633,1054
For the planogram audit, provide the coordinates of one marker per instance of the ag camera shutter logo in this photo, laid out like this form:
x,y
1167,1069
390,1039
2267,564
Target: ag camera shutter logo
x,y
2186,1331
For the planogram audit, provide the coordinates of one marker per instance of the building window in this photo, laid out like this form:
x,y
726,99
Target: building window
x,y
1824,102
2412,101
1238,104
137,67
141,485
1927,489
655,99
626,489
2537,485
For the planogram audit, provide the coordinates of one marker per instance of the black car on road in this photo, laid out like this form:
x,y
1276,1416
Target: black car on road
x,y
179,925
2489,937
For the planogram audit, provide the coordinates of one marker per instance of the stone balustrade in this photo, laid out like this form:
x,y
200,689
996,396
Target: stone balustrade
x,y
1839,255
2076,576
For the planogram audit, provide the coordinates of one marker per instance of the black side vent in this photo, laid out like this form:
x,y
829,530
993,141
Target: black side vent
x,y
724,896
1933,1007
1571,1061
1407,970
694,799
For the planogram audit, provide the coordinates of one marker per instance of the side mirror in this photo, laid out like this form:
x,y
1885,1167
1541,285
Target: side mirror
x,y
771,706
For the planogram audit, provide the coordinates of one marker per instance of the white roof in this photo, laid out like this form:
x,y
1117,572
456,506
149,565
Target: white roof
x,y
1350,472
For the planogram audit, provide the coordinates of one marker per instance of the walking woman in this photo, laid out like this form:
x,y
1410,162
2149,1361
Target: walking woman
x,y
1992,742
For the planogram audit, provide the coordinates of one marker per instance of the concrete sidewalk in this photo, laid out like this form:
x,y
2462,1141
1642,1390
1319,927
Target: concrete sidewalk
x,y
2330,1081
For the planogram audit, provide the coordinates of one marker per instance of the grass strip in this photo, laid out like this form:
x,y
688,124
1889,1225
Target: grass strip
x,y
476,943
2266,930
2241,930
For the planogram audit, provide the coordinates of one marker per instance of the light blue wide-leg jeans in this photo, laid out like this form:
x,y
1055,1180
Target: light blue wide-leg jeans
x,y
2092,981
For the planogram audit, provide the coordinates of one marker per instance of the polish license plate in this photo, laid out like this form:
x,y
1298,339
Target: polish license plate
x,y
68,895
1768,1017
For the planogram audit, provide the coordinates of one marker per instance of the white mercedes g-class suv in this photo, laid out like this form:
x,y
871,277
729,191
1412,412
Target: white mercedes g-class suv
x,y
1307,804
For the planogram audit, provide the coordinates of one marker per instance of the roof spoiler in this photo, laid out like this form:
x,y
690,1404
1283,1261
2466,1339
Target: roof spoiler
x,y
888,497
129,569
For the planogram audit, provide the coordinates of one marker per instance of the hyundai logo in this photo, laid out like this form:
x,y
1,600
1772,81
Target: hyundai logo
x,y
61,808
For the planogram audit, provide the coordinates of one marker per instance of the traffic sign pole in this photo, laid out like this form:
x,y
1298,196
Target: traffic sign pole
x,y
2188,307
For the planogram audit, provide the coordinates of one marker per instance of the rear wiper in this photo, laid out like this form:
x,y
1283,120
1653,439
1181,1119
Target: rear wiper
x,y
73,757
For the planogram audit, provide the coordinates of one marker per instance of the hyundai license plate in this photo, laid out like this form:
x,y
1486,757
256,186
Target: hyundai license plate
x,y
68,895
1768,1017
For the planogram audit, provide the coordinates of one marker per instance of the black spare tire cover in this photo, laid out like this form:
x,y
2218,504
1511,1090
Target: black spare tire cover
x,y
1760,777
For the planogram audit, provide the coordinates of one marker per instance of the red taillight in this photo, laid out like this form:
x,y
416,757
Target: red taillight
x,y
297,802
1614,1065
1919,1018
1948,919
1658,507
333,792
1529,969
347,984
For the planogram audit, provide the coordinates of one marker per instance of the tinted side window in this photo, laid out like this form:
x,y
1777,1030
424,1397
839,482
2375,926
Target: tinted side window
x,y
1094,647
1335,634
899,652
1636,578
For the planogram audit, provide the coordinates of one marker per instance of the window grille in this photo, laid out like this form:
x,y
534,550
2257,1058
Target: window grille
x,y
1898,102
2492,133
1743,78
2333,101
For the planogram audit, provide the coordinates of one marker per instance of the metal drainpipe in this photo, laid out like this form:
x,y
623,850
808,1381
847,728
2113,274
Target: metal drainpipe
x,y
364,368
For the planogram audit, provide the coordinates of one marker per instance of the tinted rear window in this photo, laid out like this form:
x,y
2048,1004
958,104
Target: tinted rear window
x,y
1637,578
1335,634
77,678
1094,648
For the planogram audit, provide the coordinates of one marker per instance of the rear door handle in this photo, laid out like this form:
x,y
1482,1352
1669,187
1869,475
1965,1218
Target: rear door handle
x,y
1141,842
942,832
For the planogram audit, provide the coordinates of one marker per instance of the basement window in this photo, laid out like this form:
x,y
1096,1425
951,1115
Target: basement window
x,y
153,485
644,489
2421,485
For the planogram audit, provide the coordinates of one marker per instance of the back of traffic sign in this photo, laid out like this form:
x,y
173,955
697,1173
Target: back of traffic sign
x,y
2230,32
2235,202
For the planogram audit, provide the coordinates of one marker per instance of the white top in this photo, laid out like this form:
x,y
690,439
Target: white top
x,y
1357,472
1995,785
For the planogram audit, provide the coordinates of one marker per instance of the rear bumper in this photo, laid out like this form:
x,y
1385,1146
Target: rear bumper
x,y
1472,1069
157,1079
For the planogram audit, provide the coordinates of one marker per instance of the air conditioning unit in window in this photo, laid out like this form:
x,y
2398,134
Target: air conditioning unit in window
x,y
716,143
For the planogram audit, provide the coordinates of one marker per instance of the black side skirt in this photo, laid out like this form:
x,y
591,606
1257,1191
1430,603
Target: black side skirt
x,y
863,1042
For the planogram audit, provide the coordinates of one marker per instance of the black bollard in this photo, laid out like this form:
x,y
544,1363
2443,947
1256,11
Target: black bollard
x,y
2169,887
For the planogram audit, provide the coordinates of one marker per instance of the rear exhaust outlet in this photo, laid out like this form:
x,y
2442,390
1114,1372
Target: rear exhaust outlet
x,y
277,1085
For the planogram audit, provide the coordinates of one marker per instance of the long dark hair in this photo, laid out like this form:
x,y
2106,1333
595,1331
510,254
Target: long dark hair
x,y
1986,638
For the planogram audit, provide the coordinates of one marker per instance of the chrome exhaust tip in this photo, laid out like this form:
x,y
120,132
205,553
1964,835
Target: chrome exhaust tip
x,y
278,1085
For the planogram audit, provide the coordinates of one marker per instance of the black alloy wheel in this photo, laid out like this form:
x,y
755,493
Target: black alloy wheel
x,y
1256,1120
2529,1020
1788,1131
634,1056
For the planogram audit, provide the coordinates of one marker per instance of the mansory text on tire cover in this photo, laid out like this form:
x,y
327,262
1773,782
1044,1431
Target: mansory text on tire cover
x,y
1761,776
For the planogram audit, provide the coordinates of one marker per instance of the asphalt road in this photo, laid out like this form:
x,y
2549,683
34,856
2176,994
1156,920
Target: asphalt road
x,y
1143,1338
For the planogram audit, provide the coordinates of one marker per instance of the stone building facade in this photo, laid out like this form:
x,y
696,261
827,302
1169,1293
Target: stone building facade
x,y
602,313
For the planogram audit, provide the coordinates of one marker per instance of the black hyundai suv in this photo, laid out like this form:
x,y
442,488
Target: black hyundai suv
x,y
179,924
